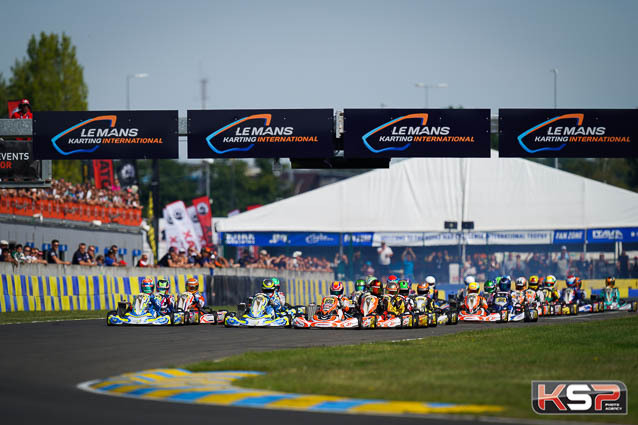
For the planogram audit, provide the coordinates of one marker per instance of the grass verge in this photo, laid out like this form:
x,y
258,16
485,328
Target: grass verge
x,y
491,366
48,316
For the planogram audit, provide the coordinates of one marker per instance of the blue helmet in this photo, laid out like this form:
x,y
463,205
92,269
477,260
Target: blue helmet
x,y
505,284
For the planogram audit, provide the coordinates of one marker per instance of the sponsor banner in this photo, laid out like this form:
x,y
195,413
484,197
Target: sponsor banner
x,y
16,160
264,133
358,239
205,217
105,135
569,236
281,239
178,219
579,397
398,239
103,173
627,234
574,133
416,133
540,237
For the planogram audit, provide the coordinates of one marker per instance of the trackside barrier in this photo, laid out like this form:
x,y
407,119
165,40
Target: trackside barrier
x,y
72,211
54,293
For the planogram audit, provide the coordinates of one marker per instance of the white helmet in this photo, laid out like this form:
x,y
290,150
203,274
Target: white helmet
x,y
430,280
469,279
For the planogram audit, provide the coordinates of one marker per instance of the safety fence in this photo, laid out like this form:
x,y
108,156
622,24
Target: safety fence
x,y
73,211
54,293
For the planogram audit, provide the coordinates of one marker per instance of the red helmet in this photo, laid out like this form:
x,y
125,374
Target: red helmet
x,y
392,279
24,102
336,288
376,287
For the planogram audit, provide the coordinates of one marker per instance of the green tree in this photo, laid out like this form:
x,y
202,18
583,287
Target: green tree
x,y
50,75
52,79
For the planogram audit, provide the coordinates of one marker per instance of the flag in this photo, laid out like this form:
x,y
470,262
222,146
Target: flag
x,y
205,217
178,220
103,173
151,231
192,214
127,172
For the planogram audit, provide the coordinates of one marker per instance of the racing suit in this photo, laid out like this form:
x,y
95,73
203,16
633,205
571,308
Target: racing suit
x,y
275,302
481,304
550,294
579,296
501,300
198,302
165,303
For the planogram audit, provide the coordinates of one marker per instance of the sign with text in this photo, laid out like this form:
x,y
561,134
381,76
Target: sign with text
x,y
370,133
263,133
16,160
569,236
579,397
624,234
105,135
574,133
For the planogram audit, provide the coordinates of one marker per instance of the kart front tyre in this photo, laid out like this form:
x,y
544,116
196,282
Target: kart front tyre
x,y
108,316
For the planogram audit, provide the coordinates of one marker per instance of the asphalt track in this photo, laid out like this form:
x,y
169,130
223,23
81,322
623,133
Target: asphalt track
x,y
41,364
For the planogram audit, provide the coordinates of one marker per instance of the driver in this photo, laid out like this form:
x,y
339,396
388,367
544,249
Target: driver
x,y
572,282
192,286
610,285
549,288
336,289
473,288
268,289
165,300
281,295
489,290
359,291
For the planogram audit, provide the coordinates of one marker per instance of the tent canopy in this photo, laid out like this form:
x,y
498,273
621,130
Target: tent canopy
x,y
418,195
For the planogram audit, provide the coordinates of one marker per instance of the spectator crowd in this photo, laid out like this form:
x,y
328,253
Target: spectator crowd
x,y
380,263
62,191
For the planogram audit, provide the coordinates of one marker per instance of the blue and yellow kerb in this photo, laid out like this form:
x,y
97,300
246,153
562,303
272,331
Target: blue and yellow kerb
x,y
215,388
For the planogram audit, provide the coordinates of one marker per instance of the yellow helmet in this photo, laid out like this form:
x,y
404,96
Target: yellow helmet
x,y
473,287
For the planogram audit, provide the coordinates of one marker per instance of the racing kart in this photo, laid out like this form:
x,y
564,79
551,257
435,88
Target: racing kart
x,y
259,314
446,312
534,300
139,313
193,315
471,311
570,304
549,305
397,315
329,315
611,301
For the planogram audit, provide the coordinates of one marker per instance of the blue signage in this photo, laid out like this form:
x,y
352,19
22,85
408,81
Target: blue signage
x,y
569,236
626,234
358,239
281,239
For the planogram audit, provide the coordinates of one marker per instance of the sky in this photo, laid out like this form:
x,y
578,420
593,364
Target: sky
x,y
340,54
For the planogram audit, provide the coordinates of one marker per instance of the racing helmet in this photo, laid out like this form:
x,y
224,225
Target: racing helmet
x,y
571,281
277,283
393,288
267,286
369,279
163,286
336,288
498,280
520,284
192,284
533,282
505,284
489,287
610,281
430,280
468,280
148,285
360,285
404,287
423,288
473,288
376,287
550,281
392,279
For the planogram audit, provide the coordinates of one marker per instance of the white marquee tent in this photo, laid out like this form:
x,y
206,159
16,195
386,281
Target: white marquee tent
x,y
418,195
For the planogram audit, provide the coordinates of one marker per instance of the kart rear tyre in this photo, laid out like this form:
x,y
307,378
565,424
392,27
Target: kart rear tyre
x,y
453,318
171,317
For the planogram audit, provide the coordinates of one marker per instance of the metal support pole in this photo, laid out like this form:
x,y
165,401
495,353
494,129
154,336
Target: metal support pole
x,y
155,190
